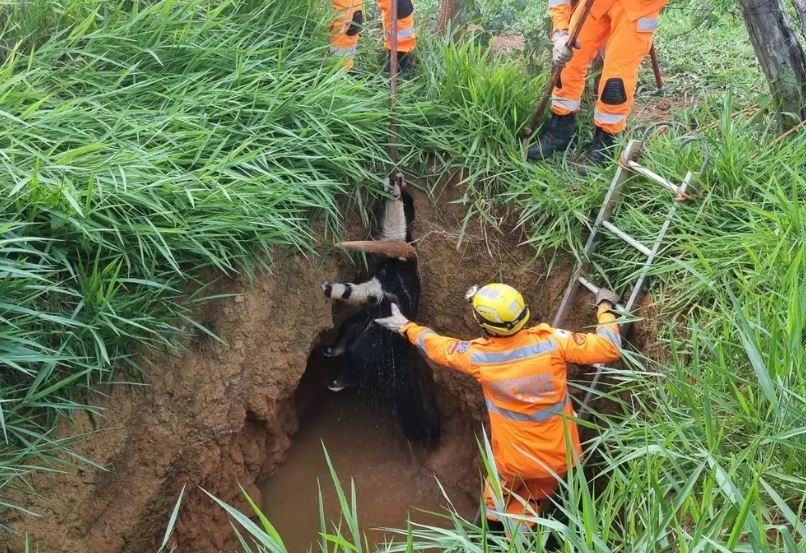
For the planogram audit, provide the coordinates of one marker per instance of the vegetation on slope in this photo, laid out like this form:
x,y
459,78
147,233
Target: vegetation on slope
x,y
139,150
146,146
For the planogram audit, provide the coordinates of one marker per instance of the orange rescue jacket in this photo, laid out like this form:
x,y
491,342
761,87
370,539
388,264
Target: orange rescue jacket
x,y
560,10
524,379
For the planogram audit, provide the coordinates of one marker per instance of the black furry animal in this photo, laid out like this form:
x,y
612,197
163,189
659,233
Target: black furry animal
x,y
378,362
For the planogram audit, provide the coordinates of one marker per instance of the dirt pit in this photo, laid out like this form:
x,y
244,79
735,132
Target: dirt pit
x,y
392,477
223,414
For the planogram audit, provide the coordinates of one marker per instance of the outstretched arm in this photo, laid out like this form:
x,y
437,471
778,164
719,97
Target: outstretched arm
x,y
442,350
602,347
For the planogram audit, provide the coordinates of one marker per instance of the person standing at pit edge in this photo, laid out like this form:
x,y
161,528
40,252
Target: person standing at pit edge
x,y
523,373
625,29
347,26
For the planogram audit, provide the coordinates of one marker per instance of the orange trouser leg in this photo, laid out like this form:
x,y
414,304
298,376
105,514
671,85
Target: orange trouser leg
x,y
533,490
345,29
629,43
406,41
565,97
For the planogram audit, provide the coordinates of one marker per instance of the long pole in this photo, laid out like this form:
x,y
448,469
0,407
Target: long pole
x,y
393,83
653,56
555,76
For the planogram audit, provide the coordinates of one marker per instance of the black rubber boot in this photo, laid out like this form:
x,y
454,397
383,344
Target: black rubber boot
x,y
495,527
555,137
601,148
405,63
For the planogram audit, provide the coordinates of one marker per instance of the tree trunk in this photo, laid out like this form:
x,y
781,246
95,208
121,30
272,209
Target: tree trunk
x,y
780,53
800,8
446,11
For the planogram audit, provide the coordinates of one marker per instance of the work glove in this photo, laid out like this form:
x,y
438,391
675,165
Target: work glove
x,y
605,295
562,53
395,322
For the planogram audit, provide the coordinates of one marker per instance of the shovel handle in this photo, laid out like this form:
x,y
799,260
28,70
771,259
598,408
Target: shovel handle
x,y
653,56
529,130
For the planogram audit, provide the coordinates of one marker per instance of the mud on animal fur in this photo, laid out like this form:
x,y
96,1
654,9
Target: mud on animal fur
x,y
379,363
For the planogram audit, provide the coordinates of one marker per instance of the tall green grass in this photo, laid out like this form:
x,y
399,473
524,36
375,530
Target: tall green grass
x,y
143,145
146,146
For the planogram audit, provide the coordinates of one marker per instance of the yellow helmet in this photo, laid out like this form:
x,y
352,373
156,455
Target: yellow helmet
x,y
498,308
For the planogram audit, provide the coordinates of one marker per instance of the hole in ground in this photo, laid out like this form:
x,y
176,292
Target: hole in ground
x,y
392,476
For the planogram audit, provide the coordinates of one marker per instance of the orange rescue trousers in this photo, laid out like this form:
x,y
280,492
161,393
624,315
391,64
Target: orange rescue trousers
x,y
517,490
625,29
350,17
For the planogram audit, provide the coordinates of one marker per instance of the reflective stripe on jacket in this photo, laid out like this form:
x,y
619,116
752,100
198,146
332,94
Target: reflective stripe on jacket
x,y
524,379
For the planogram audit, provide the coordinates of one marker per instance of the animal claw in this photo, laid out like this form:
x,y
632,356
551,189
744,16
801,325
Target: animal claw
x,y
391,187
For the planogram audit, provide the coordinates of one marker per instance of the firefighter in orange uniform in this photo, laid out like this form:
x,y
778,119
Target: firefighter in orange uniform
x,y
523,374
625,30
347,26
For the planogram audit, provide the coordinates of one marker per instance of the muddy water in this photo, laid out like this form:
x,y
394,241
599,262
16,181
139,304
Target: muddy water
x,y
391,478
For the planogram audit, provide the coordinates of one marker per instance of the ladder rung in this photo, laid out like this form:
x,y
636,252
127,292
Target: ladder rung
x,y
595,290
627,238
588,284
641,170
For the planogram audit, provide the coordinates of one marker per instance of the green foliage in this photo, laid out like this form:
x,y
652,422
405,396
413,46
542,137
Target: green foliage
x,y
147,146
140,150
28,23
